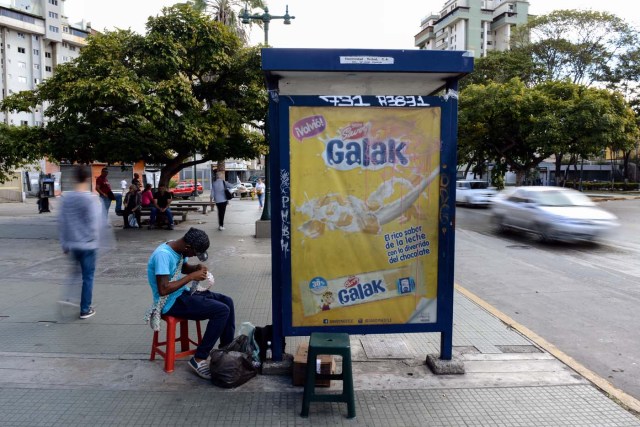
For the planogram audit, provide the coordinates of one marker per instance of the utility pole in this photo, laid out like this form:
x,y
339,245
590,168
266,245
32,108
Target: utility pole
x,y
265,18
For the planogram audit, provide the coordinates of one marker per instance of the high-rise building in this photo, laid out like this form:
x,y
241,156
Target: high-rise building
x,y
478,26
35,37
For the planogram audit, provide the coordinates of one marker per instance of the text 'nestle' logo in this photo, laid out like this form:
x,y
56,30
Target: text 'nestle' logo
x,y
354,131
351,282
308,127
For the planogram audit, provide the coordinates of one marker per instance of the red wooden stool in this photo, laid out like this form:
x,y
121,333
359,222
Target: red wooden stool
x,y
169,353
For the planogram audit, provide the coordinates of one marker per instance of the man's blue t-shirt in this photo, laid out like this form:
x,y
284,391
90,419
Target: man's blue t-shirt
x,y
164,261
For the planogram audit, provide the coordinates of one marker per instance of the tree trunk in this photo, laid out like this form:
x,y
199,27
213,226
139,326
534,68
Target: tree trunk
x,y
558,171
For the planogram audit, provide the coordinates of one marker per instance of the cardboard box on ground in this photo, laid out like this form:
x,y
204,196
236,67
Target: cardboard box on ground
x,y
327,366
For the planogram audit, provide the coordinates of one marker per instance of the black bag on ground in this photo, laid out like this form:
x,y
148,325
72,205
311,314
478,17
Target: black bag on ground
x,y
231,366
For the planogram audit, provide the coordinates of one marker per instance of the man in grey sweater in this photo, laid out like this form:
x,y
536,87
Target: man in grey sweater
x,y
80,221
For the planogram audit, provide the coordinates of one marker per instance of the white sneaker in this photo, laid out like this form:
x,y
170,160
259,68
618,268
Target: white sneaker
x,y
220,228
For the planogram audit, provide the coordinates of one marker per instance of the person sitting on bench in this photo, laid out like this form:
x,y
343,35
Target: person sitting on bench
x,y
161,202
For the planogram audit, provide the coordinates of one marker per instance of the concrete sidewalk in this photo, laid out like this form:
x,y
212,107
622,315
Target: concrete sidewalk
x,y
59,370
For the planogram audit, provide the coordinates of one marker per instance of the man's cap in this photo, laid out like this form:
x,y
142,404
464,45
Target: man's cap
x,y
199,241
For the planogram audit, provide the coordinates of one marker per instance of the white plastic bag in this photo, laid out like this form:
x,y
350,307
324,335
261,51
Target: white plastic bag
x,y
133,223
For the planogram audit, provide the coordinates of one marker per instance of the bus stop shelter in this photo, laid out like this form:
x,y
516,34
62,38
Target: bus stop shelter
x,y
362,179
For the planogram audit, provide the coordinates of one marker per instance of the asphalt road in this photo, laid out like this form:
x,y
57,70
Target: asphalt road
x,y
583,298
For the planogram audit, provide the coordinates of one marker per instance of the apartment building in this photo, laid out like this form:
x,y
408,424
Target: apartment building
x,y
35,37
478,26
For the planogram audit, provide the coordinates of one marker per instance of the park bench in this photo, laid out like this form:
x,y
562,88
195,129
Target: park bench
x,y
203,205
180,213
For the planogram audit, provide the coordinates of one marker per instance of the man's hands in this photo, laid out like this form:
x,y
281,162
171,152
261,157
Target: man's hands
x,y
200,273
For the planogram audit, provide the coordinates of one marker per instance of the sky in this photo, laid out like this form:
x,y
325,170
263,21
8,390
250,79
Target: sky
x,y
368,24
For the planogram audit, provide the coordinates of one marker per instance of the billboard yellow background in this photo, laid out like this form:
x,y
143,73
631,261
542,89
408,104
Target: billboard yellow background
x,y
362,179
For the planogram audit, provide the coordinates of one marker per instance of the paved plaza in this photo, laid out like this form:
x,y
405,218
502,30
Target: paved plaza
x,y
57,370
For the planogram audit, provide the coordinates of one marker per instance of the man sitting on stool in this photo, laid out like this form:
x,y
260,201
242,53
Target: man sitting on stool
x,y
168,274
161,201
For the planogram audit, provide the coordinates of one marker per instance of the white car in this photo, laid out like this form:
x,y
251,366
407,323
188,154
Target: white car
x,y
474,192
244,189
553,213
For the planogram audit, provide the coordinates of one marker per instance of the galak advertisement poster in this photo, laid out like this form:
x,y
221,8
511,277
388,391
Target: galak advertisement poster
x,y
364,215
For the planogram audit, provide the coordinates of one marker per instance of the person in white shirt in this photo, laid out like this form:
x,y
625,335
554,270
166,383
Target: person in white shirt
x,y
260,189
124,186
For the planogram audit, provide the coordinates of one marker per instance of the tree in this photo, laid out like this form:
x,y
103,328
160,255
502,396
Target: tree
x,y
501,123
583,46
188,86
502,66
223,11
518,127
19,146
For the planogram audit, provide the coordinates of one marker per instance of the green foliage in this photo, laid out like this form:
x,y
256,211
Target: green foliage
x,y
186,86
581,45
517,127
19,145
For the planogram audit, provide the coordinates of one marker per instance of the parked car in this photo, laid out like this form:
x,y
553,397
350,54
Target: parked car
x,y
185,189
553,213
474,192
244,189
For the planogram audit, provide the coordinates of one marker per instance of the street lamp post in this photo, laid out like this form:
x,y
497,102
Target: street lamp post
x,y
265,18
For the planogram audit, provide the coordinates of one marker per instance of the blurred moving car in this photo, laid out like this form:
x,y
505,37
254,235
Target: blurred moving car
x,y
474,192
185,189
553,213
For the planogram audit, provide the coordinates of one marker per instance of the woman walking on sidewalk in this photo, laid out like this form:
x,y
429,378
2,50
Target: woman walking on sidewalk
x,y
218,194
260,189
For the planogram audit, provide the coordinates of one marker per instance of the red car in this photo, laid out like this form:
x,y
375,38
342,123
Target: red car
x,y
185,190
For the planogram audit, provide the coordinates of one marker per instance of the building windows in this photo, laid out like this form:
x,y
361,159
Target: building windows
x,y
65,44
53,15
36,52
54,29
36,81
47,68
22,64
21,50
24,123
65,29
22,79
53,2
72,48
20,35
36,66
66,58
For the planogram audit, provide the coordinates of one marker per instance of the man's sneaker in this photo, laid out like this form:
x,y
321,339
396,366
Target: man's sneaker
x,y
221,228
200,368
88,314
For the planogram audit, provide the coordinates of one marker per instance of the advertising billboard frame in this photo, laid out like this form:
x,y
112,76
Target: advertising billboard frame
x,y
361,79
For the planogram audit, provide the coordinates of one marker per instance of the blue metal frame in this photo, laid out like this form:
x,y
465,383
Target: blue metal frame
x,y
281,259
277,62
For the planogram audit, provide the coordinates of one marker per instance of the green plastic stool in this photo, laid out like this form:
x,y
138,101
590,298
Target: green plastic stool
x,y
332,344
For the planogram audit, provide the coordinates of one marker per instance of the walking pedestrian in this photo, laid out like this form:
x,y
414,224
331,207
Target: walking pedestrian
x,y
260,189
80,222
168,273
124,187
218,194
104,190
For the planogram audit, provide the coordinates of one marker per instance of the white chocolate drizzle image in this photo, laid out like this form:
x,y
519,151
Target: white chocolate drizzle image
x,y
353,215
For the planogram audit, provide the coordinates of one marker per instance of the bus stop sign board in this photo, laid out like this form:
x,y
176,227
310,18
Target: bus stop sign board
x,y
362,173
